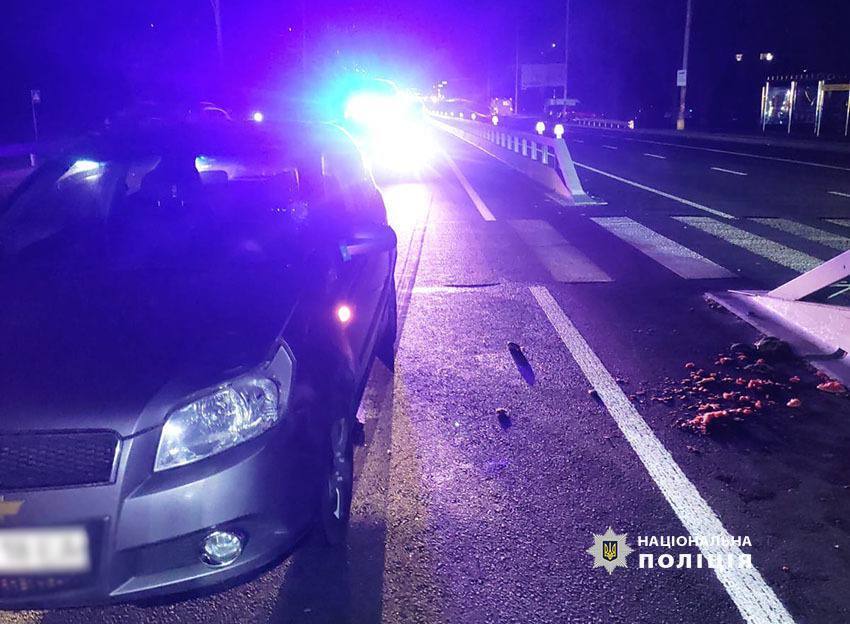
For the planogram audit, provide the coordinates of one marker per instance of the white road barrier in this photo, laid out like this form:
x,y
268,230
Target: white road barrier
x,y
544,159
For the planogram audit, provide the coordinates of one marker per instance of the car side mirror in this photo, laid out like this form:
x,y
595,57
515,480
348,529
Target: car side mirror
x,y
372,238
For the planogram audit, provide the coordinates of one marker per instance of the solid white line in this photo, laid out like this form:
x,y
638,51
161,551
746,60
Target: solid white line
x,y
473,195
775,252
737,173
611,147
659,156
836,241
678,258
839,193
746,587
744,154
841,222
681,200
564,262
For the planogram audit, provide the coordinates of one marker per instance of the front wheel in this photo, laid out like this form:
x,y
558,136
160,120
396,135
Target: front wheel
x,y
385,346
335,510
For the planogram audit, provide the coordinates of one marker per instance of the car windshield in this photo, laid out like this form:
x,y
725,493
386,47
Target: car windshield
x,y
175,208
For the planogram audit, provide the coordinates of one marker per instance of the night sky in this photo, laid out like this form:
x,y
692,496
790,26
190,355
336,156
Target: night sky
x,y
90,57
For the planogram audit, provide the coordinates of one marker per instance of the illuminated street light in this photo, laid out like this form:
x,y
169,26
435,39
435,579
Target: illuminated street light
x,y
540,127
495,120
739,57
766,56
559,131
257,116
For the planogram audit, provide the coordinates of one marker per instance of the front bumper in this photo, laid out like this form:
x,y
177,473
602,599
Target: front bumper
x,y
145,529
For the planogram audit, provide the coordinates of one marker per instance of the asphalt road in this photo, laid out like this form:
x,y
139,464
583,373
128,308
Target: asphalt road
x,y
460,516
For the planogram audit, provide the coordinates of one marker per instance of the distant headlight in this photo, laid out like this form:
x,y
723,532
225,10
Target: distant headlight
x,y
229,415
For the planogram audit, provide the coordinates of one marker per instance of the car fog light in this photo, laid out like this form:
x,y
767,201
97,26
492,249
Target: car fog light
x,y
221,548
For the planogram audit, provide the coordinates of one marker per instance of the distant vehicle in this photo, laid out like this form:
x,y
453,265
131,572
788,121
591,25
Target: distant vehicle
x,y
501,106
190,314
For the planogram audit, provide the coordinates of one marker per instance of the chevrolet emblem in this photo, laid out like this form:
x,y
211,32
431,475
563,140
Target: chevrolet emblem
x,y
9,508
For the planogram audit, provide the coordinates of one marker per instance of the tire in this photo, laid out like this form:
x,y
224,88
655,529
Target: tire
x,y
385,346
337,491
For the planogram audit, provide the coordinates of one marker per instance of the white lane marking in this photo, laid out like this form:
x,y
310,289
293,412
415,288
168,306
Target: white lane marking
x,y
564,262
678,258
610,147
576,140
721,169
681,200
746,587
775,252
841,222
839,193
473,195
836,241
659,156
744,154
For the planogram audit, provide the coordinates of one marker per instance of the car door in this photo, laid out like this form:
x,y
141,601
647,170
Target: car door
x,y
367,260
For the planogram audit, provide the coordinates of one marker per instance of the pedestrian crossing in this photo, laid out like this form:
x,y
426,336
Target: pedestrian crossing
x,y
684,250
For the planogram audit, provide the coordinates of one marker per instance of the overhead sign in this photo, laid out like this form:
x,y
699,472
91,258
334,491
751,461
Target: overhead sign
x,y
682,78
542,75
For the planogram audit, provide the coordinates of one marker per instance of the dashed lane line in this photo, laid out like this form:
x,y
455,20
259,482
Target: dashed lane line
x,y
731,171
658,156
754,598
792,161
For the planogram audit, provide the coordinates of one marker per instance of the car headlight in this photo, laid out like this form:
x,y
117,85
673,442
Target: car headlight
x,y
229,415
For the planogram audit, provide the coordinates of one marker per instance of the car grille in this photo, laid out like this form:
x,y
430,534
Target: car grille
x,y
46,460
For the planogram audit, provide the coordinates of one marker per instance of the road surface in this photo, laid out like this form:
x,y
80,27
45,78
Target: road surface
x,y
464,516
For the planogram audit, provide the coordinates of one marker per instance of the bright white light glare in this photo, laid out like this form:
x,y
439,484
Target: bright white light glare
x,y
258,116
460,115
474,116
83,166
495,120
559,131
343,313
540,127
631,124
739,57
90,170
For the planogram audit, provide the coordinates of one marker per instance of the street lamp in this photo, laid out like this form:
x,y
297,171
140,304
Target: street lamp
x,y
540,127
216,9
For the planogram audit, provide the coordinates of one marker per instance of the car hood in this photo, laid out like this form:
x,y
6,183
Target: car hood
x,y
117,350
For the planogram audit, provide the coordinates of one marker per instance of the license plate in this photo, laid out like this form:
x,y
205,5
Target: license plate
x,y
44,551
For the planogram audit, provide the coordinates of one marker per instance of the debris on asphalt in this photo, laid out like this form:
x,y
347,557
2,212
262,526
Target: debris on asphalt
x,y
503,418
832,386
746,380
522,363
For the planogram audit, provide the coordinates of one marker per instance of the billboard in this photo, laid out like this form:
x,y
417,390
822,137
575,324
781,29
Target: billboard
x,y
542,75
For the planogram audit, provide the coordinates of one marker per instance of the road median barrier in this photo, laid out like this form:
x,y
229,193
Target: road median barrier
x,y
544,159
